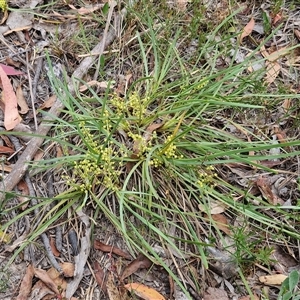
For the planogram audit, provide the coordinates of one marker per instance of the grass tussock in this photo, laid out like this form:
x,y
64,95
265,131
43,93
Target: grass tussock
x,y
154,152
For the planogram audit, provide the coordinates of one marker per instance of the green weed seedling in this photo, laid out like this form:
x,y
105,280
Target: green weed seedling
x,y
289,289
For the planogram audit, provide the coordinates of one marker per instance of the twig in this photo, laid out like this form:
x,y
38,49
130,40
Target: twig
x,y
21,165
33,86
37,74
50,254
33,200
109,16
72,235
32,96
58,238
81,258
58,229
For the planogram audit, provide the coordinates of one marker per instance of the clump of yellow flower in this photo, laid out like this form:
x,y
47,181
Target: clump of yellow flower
x,y
134,105
98,167
3,5
89,137
207,176
119,104
107,124
169,150
201,84
155,162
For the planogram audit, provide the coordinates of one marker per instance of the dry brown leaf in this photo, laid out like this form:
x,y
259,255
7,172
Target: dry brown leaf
x,y
270,163
263,51
53,247
86,10
68,269
141,262
173,287
59,151
286,105
21,101
100,277
247,30
123,84
297,34
26,284
112,290
102,85
58,280
144,291
40,291
221,223
23,188
7,141
12,62
273,70
110,249
46,279
264,187
39,155
22,28
276,279
281,136
215,294
150,129
49,102
146,136
6,150
276,19
11,114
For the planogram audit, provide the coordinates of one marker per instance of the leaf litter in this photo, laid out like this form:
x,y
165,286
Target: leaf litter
x,y
261,184
9,99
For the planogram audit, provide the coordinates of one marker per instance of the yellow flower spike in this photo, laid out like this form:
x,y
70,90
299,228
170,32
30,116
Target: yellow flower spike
x,y
202,84
170,147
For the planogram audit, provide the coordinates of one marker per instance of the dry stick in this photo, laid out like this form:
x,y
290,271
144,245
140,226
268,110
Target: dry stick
x,y
32,96
73,240
33,86
37,74
80,259
50,254
109,16
21,165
